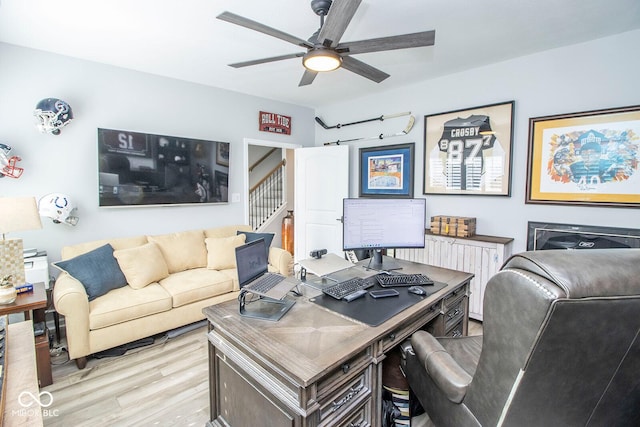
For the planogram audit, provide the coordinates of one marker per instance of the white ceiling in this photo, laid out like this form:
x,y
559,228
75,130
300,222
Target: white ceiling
x,y
183,40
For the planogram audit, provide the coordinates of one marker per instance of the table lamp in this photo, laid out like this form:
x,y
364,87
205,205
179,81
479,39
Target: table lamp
x,y
16,214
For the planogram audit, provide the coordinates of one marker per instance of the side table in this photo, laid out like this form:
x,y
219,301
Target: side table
x,y
35,301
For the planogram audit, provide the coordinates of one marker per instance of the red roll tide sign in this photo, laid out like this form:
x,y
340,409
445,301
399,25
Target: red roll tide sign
x,y
275,123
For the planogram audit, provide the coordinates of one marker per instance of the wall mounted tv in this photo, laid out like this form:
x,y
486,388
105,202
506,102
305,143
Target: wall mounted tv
x,y
142,169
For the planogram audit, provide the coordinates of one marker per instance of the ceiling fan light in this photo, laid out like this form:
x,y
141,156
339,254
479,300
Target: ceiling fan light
x,y
320,60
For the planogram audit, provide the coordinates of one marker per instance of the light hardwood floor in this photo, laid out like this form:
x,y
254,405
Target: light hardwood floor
x,y
164,384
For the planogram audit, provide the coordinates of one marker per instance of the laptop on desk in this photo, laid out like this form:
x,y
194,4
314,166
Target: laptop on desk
x,y
253,274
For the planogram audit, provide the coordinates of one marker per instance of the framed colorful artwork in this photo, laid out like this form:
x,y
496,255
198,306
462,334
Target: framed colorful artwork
x,y
387,171
590,158
468,152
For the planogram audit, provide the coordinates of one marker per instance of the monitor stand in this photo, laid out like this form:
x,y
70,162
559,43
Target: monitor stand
x,y
265,308
382,263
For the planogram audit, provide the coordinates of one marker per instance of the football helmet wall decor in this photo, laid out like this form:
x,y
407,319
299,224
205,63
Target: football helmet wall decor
x,y
8,163
52,115
59,208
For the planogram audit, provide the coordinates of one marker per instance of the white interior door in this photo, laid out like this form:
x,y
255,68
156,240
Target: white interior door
x,y
322,182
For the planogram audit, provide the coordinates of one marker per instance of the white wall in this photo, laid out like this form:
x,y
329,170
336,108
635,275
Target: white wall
x,y
109,97
590,76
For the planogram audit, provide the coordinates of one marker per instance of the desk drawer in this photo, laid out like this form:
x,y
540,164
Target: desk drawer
x,y
344,400
328,385
361,417
454,297
454,314
456,331
403,331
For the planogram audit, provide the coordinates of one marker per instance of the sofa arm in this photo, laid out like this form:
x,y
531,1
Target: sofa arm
x,y
71,300
445,372
281,260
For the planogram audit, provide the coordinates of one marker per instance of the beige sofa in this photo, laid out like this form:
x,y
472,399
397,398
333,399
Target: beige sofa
x,y
170,278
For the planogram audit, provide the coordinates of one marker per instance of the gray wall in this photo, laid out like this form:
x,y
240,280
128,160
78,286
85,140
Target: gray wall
x,y
590,76
109,97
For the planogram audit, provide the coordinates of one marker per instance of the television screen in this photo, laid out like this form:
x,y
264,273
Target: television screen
x,y
142,169
378,224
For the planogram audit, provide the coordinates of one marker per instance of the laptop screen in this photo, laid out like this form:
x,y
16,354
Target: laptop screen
x,y
251,261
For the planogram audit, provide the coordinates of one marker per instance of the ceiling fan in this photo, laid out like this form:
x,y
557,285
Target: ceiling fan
x,y
324,52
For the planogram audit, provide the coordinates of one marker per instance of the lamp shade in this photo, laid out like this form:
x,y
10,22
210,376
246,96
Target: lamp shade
x,y
18,214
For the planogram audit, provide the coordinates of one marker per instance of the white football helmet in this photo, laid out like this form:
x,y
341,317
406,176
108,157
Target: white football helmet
x,y
59,208
52,114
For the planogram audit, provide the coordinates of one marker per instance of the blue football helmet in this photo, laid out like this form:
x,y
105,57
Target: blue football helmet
x,y
52,114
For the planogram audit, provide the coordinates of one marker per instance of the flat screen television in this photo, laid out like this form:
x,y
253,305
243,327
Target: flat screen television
x,y
379,224
143,169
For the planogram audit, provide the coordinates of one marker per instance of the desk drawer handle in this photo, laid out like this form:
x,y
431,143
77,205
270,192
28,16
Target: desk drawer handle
x,y
358,424
345,368
453,313
392,336
353,392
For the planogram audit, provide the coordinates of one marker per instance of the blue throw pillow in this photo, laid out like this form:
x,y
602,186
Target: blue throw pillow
x,y
250,237
97,270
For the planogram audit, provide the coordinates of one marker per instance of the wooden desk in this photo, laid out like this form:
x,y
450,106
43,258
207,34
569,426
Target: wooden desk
x,y
21,376
315,367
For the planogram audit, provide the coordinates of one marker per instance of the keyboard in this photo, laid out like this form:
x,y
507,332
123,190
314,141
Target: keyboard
x,y
265,283
387,280
342,289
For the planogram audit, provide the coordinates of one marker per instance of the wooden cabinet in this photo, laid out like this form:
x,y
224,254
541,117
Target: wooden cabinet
x,y
481,255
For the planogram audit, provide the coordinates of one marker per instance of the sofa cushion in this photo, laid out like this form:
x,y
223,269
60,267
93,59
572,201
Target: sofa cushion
x,y
196,284
124,304
142,265
182,251
226,230
118,243
221,251
251,236
97,270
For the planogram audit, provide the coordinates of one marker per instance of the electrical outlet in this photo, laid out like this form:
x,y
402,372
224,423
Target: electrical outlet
x,y
235,197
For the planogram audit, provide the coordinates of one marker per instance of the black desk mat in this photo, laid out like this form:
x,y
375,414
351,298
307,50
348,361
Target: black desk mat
x,y
374,311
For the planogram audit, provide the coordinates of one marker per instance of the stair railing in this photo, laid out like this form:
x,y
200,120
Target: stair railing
x,y
267,196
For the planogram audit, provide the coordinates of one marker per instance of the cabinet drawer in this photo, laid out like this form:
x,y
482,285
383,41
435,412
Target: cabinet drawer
x,y
403,331
345,399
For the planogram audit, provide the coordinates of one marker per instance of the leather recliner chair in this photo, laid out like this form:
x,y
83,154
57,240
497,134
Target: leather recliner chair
x,y
560,347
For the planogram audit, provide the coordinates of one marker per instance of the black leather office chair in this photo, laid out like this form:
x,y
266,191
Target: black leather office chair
x,y
560,347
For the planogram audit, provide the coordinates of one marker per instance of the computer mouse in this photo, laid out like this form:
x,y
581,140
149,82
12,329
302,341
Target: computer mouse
x,y
417,290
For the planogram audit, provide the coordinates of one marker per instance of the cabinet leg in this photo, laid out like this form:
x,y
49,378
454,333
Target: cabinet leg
x,y
81,362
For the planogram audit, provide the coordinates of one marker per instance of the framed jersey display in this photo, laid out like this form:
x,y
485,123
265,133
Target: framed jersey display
x,y
469,151
590,158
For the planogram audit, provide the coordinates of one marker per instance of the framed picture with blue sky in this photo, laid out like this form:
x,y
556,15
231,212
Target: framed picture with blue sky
x,y
387,171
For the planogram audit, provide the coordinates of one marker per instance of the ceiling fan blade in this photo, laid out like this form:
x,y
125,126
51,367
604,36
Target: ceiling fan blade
x,y
425,38
307,78
340,14
265,60
256,26
365,70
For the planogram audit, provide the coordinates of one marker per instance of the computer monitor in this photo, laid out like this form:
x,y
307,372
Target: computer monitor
x,y
378,224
